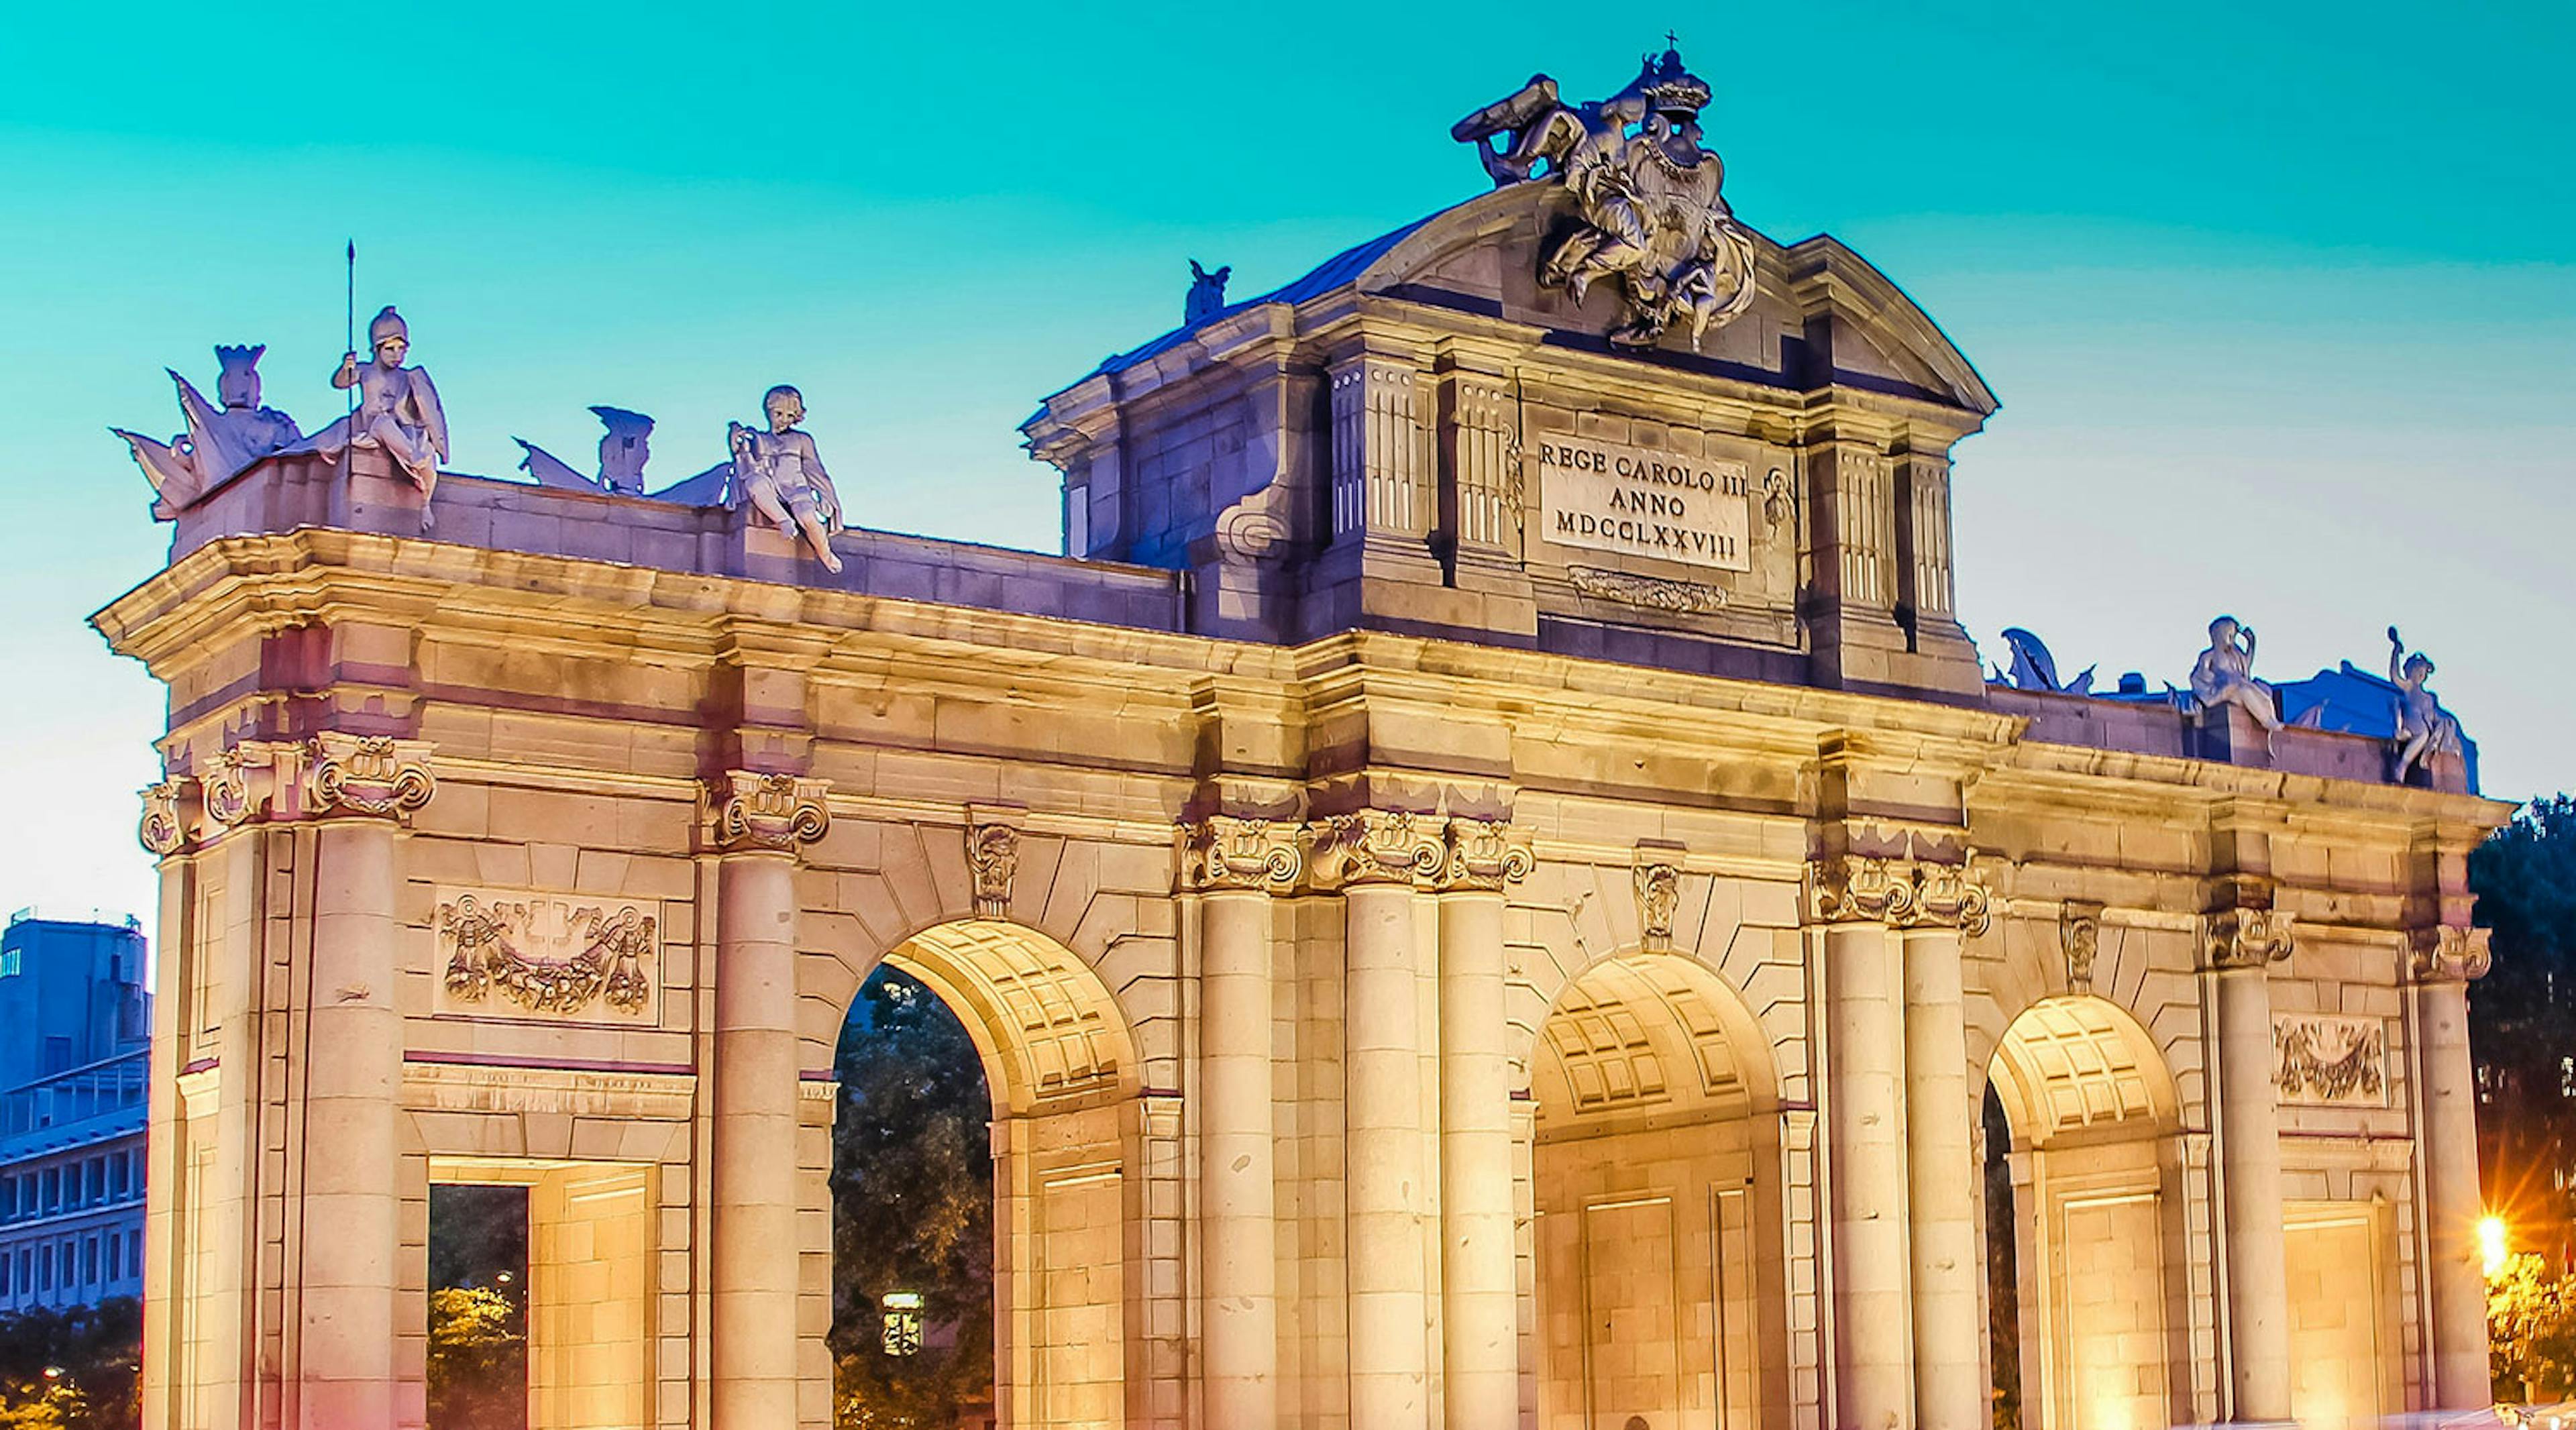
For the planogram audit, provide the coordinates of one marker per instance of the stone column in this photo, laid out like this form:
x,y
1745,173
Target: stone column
x,y
1373,858
1951,1388
1233,864
1480,1307
754,824
2241,946
1866,1147
351,1282
166,834
2445,959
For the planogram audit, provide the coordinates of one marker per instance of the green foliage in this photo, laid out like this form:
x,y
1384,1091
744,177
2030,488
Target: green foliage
x,y
912,1209
96,1350
478,1359
2522,1015
2531,1332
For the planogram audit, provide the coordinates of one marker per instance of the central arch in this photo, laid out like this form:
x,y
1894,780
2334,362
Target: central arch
x,y
1061,1063
1654,1172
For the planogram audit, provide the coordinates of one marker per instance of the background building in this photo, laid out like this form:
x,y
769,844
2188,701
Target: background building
x,y
73,1065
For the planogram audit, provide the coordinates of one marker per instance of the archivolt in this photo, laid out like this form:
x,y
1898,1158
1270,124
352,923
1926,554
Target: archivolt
x,y
2079,1067
1048,1028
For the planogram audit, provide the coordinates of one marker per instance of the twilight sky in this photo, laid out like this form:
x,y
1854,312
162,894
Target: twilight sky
x,y
2280,300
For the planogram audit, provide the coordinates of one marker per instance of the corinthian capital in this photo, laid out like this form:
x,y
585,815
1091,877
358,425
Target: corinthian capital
x,y
2448,953
1374,846
164,827
366,774
2247,938
1223,852
741,811
1483,855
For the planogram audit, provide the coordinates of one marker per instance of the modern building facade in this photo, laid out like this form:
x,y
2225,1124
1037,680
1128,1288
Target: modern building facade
x,y
72,1111
1488,880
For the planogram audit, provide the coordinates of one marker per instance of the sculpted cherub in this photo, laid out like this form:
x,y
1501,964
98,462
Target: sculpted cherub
x,y
2224,674
219,442
782,476
398,411
2424,728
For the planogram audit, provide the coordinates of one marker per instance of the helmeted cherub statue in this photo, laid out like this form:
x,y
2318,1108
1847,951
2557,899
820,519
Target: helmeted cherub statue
x,y
2424,728
2224,675
220,441
398,411
782,476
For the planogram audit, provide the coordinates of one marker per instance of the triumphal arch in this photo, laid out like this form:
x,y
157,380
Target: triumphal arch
x,y
1490,883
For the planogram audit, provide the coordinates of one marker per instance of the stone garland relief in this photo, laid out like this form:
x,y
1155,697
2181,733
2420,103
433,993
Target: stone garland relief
x,y
2329,1060
515,953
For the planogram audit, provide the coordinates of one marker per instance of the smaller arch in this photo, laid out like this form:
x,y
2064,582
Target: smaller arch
x,y
2082,1068
1646,1034
1051,1034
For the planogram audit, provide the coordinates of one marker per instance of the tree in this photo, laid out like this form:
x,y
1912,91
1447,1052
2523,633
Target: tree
x,y
478,1359
912,1209
93,1354
2531,1332
2522,1021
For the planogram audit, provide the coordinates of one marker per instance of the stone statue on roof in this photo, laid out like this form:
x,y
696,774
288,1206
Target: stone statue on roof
x,y
1648,211
781,474
398,410
220,440
2224,675
1207,294
2424,728
624,448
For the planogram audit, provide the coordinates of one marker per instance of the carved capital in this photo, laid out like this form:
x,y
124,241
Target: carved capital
x,y
2448,953
1485,854
244,777
993,855
2079,934
1659,897
1224,852
1374,846
164,826
1946,896
2246,938
742,811
374,775
1901,893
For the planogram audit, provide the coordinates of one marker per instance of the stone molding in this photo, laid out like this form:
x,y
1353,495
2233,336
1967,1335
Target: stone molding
x,y
375,775
1901,893
2448,953
1222,852
2079,934
993,856
1374,846
2247,938
1483,855
745,812
163,828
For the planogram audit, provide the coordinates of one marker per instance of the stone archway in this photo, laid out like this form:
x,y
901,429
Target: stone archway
x,y
2095,1167
1651,1165
1060,1061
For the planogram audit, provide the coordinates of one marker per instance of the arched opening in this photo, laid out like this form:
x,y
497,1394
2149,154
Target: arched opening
x,y
2091,1167
1011,1060
1651,1137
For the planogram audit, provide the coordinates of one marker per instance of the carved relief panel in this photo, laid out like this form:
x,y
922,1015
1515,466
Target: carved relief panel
x,y
514,953
2330,1060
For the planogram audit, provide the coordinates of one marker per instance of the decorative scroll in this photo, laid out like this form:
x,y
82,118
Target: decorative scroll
x,y
1224,852
545,953
227,780
2448,953
1652,593
993,853
367,774
1902,893
1484,855
1374,846
163,829
1659,897
2248,938
2079,933
2327,1060
744,811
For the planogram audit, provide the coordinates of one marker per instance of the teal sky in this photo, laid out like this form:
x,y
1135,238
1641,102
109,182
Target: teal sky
x,y
2280,300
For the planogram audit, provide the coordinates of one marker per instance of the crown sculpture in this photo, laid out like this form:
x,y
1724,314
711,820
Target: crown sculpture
x,y
1647,211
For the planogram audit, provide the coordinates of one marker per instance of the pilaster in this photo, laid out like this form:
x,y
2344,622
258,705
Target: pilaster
x,y
1480,1329
2240,941
2442,960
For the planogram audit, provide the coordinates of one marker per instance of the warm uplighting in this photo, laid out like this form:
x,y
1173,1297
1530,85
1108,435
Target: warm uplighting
x,y
2491,1245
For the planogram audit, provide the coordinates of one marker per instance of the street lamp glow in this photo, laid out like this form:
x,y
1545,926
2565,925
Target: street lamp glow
x,y
2491,1245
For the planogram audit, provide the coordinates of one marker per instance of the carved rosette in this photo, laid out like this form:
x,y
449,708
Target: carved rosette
x,y
1901,893
993,854
1483,855
745,812
2079,934
2247,938
1223,852
2448,953
163,829
366,774
1374,846
1659,897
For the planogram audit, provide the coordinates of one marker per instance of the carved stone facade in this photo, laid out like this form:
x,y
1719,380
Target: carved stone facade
x,y
2330,1061
524,952
745,812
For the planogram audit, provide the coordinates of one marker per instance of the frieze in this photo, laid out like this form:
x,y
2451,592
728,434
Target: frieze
x,y
512,952
745,811
1650,593
2448,953
1223,852
2329,1060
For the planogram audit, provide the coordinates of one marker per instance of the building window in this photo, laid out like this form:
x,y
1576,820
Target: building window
x,y
89,1262
134,1252
115,1245
45,1268
97,1178
53,1189
26,1273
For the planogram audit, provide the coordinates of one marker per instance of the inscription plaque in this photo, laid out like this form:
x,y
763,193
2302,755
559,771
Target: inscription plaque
x,y
1637,501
